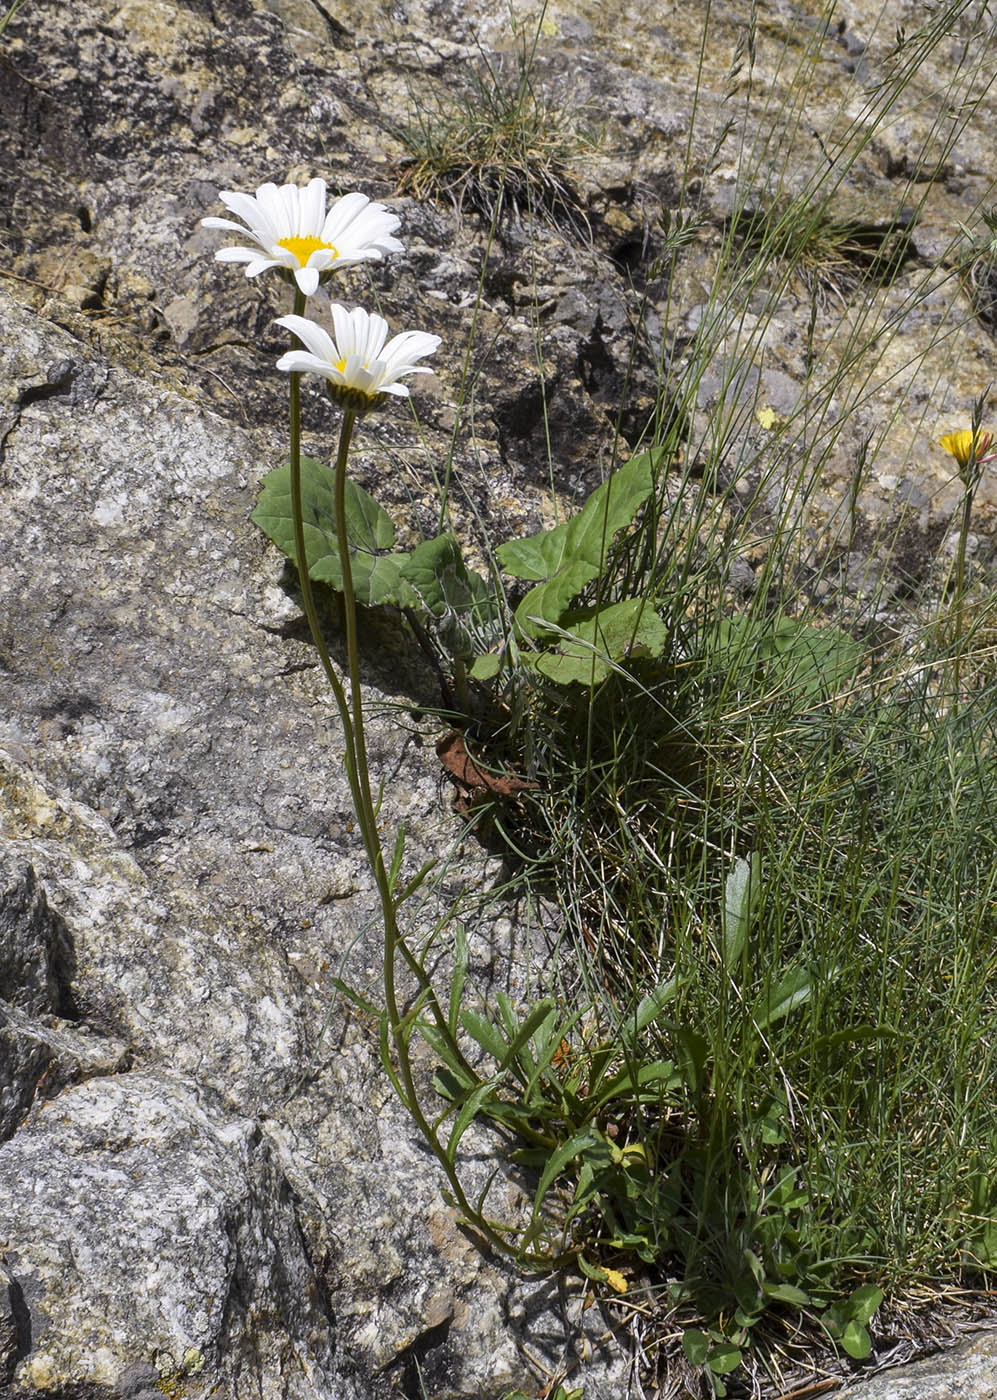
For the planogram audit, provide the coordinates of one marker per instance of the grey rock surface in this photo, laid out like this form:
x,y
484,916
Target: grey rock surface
x,y
180,885
206,1186
966,1371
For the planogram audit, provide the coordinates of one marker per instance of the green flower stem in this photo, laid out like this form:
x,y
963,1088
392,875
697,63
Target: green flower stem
x,y
356,752
368,818
353,731
304,578
400,1026
970,479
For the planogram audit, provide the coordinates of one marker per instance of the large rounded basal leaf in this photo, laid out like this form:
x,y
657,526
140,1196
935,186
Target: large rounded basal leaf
x,y
812,663
587,650
545,605
565,559
588,534
376,573
460,603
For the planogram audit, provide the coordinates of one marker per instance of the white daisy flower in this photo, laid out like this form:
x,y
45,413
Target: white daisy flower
x,y
292,231
355,359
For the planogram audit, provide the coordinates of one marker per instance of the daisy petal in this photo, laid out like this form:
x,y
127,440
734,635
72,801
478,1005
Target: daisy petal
x,y
300,362
292,226
344,210
312,208
357,363
237,254
307,279
244,206
317,340
260,265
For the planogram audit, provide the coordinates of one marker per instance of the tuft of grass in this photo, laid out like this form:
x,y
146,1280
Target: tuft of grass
x,y
828,256
494,139
981,267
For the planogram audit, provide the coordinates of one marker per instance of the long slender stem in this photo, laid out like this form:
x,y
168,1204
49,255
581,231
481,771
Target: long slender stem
x,y
394,943
960,576
356,748
351,713
368,820
304,579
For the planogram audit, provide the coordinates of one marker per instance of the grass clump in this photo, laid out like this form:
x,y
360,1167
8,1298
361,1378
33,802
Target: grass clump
x,y
495,139
829,257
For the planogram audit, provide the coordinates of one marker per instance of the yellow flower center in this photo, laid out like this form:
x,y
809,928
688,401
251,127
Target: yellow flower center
x,y
303,248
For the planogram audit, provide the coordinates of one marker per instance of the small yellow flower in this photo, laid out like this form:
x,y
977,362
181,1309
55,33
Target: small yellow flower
x,y
960,445
616,1280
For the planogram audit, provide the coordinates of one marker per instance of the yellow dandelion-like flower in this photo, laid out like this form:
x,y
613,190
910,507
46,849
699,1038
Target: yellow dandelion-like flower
x,y
961,445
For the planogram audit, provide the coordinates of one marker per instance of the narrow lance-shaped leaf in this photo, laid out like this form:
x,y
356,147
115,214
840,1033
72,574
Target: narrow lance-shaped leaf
x,y
740,902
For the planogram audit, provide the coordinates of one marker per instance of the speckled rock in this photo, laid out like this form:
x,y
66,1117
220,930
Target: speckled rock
x,y
965,1371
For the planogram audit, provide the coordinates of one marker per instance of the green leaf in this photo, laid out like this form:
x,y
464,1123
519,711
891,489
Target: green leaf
x,y
864,1302
545,605
812,662
397,857
696,1346
786,1293
486,668
357,998
459,975
626,1084
587,650
485,1033
471,1106
981,1250
376,573
417,880
855,1035
792,991
451,1083
741,895
461,604
723,1359
588,1140
855,1340
563,560
540,1013
649,1009
691,1052
587,536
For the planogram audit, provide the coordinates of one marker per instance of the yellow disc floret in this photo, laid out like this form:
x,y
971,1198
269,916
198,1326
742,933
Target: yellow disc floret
x,y
303,248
